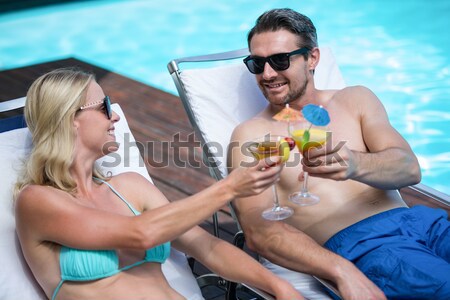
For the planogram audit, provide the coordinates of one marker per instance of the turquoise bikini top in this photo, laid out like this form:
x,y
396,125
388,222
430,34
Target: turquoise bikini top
x,y
85,265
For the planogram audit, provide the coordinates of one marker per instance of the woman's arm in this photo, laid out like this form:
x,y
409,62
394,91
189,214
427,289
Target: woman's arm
x,y
232,263
53,215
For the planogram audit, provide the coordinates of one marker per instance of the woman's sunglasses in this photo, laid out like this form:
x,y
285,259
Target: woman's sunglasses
x,y
106,102
278,62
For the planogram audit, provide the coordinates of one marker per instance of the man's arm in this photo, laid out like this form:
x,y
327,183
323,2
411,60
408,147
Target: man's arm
x,y
232,263
389,162
285,245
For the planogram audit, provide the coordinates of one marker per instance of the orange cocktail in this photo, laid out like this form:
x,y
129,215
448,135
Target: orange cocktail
x,y
272,145
267,148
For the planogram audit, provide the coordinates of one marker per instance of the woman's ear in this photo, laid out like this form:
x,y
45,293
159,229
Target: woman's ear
x,y
314,57
76,124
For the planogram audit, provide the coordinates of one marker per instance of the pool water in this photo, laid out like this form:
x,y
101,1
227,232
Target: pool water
x,y
399,49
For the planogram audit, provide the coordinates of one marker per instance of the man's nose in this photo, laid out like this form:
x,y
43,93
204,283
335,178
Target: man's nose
x,y
268,71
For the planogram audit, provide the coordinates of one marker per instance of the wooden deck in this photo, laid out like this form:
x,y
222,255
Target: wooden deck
x,y
153,115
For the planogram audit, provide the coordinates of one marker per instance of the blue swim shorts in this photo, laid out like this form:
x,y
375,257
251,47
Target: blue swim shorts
x,y
404,251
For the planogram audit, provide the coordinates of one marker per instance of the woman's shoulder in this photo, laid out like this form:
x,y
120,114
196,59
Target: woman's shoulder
x,y
131,182
36,200
139,190
35,191
129,178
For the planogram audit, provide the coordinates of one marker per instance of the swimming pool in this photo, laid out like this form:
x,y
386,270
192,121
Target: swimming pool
x,y
399,49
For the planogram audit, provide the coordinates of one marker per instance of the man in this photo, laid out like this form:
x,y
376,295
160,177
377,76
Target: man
x,y
361,215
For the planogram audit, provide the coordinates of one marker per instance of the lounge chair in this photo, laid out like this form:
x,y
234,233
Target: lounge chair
x,y
16,280
218,93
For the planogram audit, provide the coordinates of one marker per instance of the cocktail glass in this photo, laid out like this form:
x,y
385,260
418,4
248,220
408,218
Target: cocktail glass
x,y
306,136
272,145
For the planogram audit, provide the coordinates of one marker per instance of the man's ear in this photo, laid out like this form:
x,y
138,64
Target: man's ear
x,y
313,58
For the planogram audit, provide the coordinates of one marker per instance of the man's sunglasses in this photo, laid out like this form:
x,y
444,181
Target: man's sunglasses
x,y
106,102
278,62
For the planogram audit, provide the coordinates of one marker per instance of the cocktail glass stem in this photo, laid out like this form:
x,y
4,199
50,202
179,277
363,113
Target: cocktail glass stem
x,y
305,183
303,197
277,213
265,147
275,197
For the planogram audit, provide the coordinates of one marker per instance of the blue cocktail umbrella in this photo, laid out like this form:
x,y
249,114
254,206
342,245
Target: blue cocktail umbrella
x,y
316,115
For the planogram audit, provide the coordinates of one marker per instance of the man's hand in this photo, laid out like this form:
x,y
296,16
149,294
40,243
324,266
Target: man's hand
x,y
354,285
337,163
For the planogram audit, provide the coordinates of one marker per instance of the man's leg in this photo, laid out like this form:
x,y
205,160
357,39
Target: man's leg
x,y
395,249
438,233
407,270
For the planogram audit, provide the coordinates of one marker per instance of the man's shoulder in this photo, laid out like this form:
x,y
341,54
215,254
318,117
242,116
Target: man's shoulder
x,y
355,99
258,125
350,94
348,90
255,121
357,90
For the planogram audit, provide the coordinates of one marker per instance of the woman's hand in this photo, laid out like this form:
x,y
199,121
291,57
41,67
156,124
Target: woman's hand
x,y
249,181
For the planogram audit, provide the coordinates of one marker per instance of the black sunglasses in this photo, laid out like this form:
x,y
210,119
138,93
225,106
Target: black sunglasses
x,y
106,102
278,62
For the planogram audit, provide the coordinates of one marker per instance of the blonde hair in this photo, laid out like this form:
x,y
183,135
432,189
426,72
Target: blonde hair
x,y
52,102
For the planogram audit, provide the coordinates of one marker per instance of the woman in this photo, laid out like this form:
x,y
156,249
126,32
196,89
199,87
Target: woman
x,y
87,236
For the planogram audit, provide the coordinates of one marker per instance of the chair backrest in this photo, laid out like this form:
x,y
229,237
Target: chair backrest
x,y
16,280
218,98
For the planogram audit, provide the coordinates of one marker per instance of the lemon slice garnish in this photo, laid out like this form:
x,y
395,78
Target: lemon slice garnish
x,y
284,151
